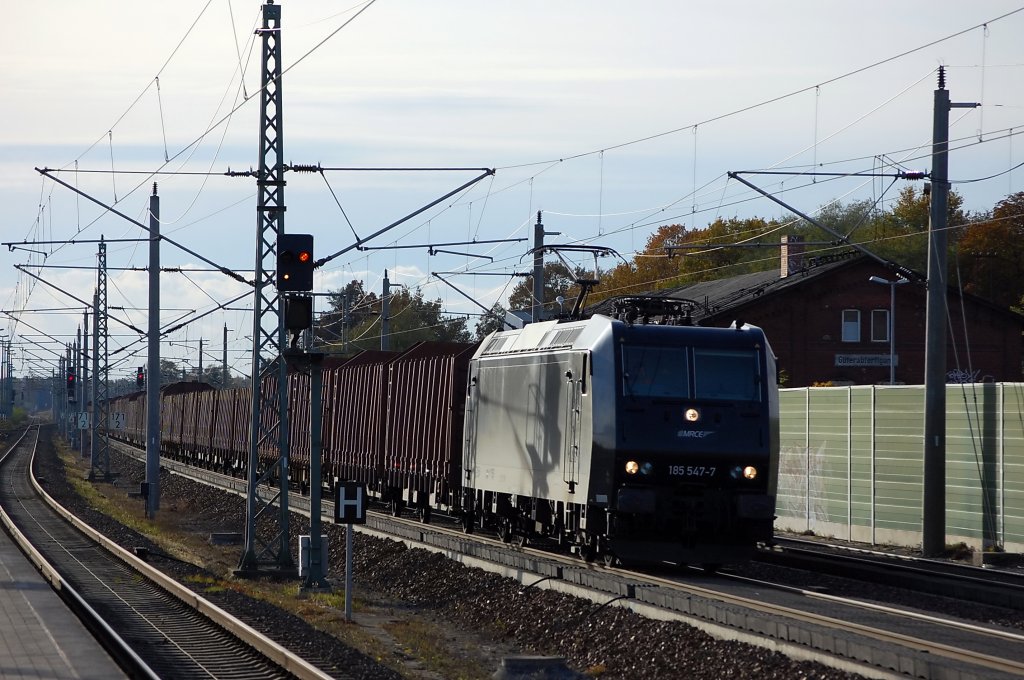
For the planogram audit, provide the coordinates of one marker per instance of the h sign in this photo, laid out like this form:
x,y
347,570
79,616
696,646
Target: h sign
x,y
350,505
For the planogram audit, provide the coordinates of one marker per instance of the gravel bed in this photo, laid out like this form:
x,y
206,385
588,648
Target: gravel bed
x,y
481,614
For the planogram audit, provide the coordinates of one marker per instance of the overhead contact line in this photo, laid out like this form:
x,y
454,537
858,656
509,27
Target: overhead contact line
x,y
47,172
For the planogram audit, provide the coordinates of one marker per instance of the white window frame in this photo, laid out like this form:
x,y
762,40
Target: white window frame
x,y
850,330
874,326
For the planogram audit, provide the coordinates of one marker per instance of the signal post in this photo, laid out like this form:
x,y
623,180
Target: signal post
x,y
294,279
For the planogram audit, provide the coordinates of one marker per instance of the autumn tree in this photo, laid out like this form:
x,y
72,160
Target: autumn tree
x,y
991,254
675,256
650,269
411,319
901,233
721,253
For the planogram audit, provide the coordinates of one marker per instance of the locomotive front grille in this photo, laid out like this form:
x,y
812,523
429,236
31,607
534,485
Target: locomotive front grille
x,y
703,514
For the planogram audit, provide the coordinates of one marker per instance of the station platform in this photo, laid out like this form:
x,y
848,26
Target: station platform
x,y
39,636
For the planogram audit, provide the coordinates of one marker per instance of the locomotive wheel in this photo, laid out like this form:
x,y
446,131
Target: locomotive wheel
x,y
505,532
468,522
587,550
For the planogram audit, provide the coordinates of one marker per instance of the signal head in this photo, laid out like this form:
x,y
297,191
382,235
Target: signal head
x,y
295,262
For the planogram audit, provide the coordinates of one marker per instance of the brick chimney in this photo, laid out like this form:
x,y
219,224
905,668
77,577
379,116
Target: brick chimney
x,y
792,257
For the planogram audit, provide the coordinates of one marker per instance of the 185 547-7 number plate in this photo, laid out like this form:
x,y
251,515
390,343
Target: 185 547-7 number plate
x,y
691,470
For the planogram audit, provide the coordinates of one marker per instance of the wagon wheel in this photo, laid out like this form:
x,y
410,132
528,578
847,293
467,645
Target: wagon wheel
x,y
610,560
425,512
710,567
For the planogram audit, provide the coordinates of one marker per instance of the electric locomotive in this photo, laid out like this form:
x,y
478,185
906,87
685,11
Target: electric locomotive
x,y
629,442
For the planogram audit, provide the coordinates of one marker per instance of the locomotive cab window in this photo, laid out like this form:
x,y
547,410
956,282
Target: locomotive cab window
x,y
654,372
726,374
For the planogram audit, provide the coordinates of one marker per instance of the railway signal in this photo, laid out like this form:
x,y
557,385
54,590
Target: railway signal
x,y
140,377
71,384
295,262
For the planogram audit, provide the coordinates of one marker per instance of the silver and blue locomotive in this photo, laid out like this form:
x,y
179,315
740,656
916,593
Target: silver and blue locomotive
x,y
630,442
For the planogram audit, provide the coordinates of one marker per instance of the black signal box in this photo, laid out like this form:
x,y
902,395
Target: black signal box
x,y
295,262
298,312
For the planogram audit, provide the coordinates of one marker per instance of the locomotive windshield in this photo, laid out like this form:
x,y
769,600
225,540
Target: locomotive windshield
x,y
726,374
654,372
723,374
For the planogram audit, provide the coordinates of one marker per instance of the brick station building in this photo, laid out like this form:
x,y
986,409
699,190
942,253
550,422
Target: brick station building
x,y
829,323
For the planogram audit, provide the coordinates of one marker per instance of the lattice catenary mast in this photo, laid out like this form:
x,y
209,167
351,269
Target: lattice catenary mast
x,y
269,424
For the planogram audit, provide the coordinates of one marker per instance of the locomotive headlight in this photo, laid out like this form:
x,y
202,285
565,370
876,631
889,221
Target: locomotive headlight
x,y
632,467
750,472
646,469
692,415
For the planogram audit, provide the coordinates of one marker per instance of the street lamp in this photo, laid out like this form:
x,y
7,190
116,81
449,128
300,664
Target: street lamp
x,y
892,320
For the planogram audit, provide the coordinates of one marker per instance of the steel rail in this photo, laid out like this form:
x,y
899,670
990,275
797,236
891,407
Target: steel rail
x,y
983,586
120,650
283,660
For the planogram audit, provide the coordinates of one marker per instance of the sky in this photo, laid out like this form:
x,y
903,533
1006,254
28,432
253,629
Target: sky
x,y
611,118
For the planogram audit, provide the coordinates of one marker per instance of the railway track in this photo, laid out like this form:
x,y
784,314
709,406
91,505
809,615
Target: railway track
x,y
848,633
154,627
1002,588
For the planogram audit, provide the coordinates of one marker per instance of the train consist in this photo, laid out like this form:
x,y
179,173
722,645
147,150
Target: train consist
x,y
622,440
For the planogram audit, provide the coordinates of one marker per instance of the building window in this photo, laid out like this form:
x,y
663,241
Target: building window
x,y
851,325
879,325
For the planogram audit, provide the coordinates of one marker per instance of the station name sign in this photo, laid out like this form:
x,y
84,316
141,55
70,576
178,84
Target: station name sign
x,y
865,360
